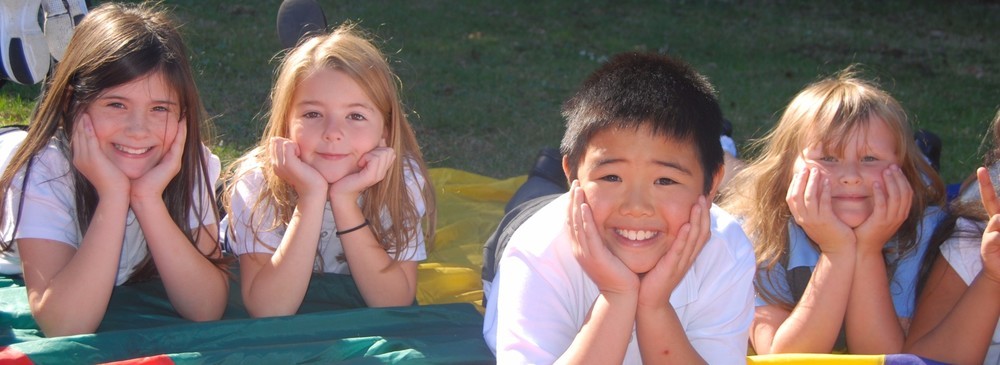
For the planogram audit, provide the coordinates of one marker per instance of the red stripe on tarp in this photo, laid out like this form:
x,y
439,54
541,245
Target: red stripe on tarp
x,y
10,356
151,360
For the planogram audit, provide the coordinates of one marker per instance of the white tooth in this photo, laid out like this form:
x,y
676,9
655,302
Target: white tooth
x,y
133,151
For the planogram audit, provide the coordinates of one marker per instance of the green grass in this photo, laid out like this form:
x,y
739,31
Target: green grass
x,y
484,80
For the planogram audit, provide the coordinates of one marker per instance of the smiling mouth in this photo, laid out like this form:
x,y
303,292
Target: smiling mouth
x,y
636,235
330,156
130,150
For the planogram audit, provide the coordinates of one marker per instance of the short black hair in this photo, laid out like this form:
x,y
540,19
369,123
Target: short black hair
x,y
634,90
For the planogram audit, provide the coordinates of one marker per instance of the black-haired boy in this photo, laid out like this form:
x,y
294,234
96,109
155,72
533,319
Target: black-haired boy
x,y
632,264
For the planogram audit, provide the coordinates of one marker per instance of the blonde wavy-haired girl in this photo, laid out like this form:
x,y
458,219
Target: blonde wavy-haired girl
x,y
839,205
337,183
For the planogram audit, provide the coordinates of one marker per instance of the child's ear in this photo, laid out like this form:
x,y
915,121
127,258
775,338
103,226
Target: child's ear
x,y
565,164
716,182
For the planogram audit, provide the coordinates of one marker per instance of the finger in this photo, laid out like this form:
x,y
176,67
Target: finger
x,y
994,224
177,147
576,199
987,191
181,138
812,193
79,132
276,152
593,241
826,198
682,247
899,193
796,190
879,198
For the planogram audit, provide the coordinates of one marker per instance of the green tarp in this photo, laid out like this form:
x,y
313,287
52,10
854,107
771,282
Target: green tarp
x,y
332,326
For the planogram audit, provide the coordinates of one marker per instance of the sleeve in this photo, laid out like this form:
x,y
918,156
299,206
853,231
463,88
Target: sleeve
x,y
774,282
49,204
415,249
535,310
206,208
719,325
903,287
241,236
961,250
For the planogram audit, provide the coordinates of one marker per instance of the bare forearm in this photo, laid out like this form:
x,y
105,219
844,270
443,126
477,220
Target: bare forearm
x,y
279,283
814,324
197,288
963,336
381,281
871,324
662,339
605,335
75,299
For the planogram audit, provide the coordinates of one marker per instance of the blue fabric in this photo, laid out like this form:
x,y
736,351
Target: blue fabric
x,y
803,254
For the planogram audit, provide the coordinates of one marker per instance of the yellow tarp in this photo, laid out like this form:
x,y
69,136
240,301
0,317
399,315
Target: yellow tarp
x,y
469,207
815,359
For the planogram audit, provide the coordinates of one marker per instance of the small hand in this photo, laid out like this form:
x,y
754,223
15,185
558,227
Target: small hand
x,y
990,249
810,202
93,163
891,208
154,181
657,284
288,165
373,167
604,268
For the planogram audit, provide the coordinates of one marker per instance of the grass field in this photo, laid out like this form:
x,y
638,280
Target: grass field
x,y
484,80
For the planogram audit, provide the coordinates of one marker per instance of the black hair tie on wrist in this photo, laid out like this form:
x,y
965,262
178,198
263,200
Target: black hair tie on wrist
x,y
349,230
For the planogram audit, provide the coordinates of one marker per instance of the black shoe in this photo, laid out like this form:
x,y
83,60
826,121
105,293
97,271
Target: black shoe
x,y
727,127
297,18
549,166
546,178
930,144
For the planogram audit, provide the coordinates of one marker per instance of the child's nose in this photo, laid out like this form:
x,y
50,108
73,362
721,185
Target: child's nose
x,y
637,202
850,174
136,124
333,132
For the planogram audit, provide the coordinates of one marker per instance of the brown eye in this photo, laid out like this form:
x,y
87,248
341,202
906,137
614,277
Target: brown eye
x,y
665,181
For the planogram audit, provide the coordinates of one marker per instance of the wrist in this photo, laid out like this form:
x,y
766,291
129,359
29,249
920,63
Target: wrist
x,y
344,206
994,281
622,296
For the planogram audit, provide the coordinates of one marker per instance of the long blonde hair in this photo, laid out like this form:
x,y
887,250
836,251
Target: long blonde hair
x,y
348,50
828,111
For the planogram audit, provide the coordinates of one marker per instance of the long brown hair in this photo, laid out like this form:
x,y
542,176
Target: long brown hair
x,y
349,50
113,45
827,111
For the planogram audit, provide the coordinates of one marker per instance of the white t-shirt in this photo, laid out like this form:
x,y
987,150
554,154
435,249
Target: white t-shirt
x,y
241,239
49,209
962,253
541,295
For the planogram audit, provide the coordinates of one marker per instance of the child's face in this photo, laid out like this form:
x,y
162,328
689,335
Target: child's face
x,y
641,189
334,123
135,123
867,153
